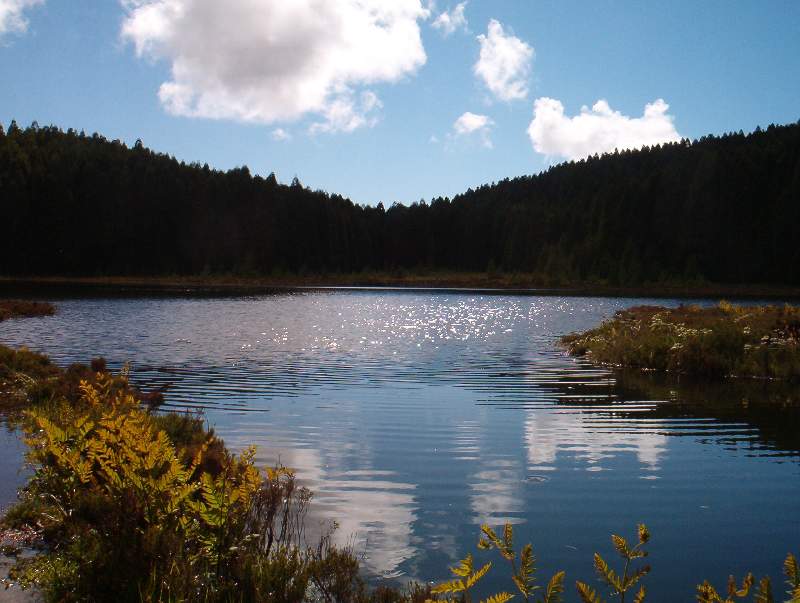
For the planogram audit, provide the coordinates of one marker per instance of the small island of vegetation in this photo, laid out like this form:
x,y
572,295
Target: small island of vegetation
x,y
12,308
718,341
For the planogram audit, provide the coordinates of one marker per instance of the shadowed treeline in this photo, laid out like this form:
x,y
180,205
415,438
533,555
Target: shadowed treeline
x,y
722,209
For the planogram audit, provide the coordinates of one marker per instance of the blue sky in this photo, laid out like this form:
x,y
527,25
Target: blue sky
x,y
379,100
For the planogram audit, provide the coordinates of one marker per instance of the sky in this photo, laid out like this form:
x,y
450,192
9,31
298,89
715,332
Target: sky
x,y
398,100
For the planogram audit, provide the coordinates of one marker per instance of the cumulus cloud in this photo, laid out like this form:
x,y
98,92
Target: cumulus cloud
x,y
471,123
450,21
504,64
12,15
597,130
270,61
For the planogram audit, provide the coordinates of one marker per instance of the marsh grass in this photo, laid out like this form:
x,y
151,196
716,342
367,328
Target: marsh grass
x,y
724,340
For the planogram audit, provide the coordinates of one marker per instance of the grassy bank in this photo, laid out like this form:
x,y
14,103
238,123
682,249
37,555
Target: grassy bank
x,y
719,341
130,504
520,282
11,308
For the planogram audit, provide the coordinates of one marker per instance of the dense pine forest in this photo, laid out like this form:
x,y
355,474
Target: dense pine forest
x,y
720,209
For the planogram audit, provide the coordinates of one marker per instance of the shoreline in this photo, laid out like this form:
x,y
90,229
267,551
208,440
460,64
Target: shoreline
x,y
723,341
441,282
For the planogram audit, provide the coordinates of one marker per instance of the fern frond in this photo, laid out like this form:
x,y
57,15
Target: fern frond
x,y
453,586
706,593
473,579
644,534
524,578
464,567
606,573
621,545
764,591
491,535
637,575
587,594
555,589
792,571
508,537
742,592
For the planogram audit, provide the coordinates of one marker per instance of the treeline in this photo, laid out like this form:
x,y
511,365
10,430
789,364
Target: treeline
x,y
720,209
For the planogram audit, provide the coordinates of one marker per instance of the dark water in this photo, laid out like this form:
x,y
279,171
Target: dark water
x,y
415,417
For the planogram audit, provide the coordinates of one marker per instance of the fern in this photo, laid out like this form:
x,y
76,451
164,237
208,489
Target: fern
x,y
555,589
621,584
587,594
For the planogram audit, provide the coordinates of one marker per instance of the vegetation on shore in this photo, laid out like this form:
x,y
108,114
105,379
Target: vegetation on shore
x,y
131,504
12,308
674,206
719,341
226,284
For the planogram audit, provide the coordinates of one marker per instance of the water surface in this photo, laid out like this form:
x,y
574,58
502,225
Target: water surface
x,y
415,417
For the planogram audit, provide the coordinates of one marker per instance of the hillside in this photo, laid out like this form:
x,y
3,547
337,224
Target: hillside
x,y
721,209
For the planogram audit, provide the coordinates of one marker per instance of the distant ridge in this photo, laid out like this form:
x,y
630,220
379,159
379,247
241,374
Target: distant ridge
x,y
721,209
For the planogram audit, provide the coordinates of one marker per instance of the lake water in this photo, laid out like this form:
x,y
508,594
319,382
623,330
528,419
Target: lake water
x,y
417,416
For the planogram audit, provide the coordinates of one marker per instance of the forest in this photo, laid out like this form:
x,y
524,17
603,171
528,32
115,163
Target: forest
x,y
721,209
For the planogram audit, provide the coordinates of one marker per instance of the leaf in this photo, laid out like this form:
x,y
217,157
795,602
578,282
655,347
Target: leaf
x,y
621,545
478,575
508,537
639,598
746,584
524,578
521,585
764,591
555,588
644,534
492,536
792,571
499,598
453,586
606,573
707,593
464,567
587,594
637,575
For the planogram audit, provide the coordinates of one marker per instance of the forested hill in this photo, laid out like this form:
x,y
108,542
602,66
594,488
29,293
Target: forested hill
x,y
723,209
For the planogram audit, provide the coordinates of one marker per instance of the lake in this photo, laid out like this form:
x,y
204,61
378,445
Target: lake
x,y
416,416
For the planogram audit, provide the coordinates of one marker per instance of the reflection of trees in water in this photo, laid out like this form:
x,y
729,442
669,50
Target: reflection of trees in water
x,y
771,408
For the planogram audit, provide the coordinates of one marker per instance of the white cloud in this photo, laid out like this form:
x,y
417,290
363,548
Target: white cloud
x,y
12,15
597,130
504,64
471,123
450,21
345,114
271,61
280,135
